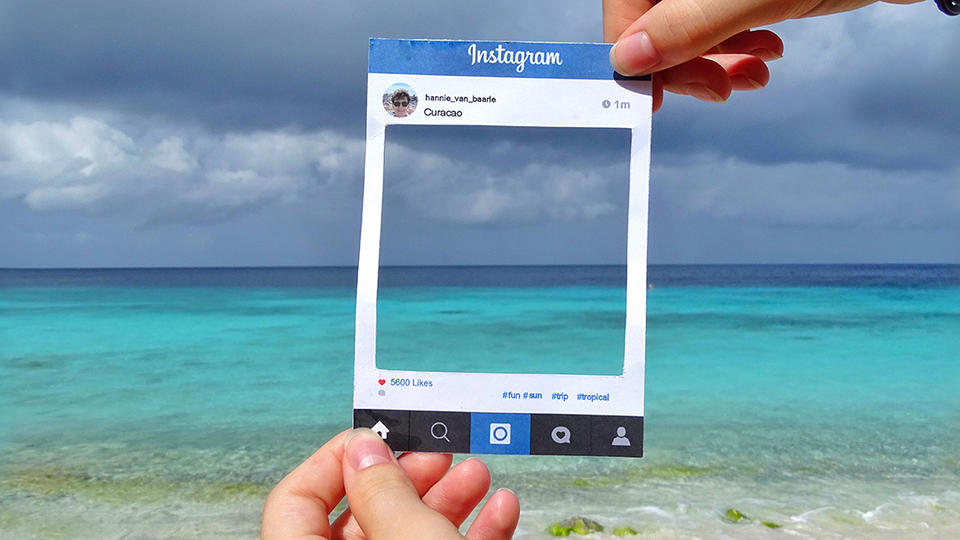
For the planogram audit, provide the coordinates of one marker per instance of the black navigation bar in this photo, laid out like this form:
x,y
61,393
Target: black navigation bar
x,y
505,433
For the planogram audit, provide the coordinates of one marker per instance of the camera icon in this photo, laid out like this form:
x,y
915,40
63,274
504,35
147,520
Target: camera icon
x,y
499,433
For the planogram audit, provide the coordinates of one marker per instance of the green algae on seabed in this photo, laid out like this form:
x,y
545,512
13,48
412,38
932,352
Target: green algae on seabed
x,y
575,525
624,531
245,490
655,472
732,515
54,482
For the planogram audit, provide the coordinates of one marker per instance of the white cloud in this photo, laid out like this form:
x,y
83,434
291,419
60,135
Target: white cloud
x,y
170,154
458,191
181,174
64,197
83,140
89,165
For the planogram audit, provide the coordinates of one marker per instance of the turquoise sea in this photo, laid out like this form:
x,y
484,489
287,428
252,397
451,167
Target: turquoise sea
x,y
165,403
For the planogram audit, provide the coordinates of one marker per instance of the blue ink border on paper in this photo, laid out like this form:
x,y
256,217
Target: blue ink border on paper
x,y
441,57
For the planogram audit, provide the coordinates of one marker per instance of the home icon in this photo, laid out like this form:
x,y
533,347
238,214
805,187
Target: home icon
x,y
380,430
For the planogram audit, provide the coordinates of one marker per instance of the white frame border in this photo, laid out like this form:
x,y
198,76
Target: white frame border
x,y
482,392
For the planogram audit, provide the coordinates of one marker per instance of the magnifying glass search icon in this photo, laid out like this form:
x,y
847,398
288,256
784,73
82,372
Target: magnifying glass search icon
x,y
439,431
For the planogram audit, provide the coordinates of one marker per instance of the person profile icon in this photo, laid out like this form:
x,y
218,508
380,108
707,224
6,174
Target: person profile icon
x,y
621,438
400,100
401,103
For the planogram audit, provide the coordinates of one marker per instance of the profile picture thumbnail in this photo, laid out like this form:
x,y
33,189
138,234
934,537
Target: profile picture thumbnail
x,y
400,100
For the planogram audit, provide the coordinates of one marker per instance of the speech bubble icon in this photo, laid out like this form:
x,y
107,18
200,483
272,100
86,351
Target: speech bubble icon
x,y
560,435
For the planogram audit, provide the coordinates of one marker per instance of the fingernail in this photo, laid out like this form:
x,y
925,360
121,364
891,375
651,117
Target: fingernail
x,y
766,54
364,448
634,54
700,91
742,82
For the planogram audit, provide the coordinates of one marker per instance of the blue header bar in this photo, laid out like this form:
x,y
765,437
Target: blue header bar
x,y
534,60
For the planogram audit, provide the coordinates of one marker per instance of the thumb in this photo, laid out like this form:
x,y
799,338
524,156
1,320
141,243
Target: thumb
x,y
675,31
382,497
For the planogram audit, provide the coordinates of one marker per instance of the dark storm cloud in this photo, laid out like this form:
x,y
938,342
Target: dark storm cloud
x,y
862,89
256,65
228,63
921,95
809,133
236,64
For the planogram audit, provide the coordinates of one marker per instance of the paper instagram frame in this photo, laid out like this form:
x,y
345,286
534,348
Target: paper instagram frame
x,y
584,92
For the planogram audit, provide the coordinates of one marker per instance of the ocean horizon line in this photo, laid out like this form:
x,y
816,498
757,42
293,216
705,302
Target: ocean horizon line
x,y
538,265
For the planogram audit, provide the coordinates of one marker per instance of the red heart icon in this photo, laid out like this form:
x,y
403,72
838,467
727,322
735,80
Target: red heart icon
x,y
382,381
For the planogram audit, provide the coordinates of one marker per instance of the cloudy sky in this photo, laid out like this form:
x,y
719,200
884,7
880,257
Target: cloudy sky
x,y
230,133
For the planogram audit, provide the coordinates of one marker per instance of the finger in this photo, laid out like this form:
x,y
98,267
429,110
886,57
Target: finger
x,y
701,78
617,17
497,519
382,498
460,490
763,44
619,14
675,31
298,506
711,77
423,469
746,72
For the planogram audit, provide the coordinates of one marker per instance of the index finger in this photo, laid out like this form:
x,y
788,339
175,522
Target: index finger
x,y
618,15
299,506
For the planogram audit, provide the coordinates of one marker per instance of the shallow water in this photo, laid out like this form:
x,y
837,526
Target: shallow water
x,y
166,403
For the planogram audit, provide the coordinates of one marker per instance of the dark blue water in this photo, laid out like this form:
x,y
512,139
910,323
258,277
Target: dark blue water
x,y
799,275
